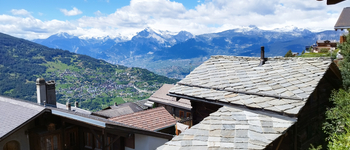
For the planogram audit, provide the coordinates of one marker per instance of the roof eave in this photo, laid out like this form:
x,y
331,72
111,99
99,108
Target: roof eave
x,y
216,102
342,27
139,131
165,127
170,104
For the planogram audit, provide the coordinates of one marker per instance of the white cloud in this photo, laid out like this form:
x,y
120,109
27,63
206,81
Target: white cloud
x,y
20,12
75,11
208,16
98,13
31,28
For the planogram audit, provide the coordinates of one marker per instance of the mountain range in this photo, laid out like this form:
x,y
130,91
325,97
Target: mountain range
x,y
176,54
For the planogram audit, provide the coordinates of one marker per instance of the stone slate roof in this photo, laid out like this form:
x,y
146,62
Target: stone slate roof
x,y
160,96
253,97
120,110
231,128
141,103
343,20
152,119
280,85
15,113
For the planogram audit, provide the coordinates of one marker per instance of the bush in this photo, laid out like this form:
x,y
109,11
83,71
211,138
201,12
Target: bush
x,y
324,50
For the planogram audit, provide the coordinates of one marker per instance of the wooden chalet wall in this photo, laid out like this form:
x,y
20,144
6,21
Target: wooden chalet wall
x,y
68,134
308,129
200,110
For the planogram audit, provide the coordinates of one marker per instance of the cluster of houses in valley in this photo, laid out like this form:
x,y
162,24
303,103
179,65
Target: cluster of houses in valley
x,y
228,102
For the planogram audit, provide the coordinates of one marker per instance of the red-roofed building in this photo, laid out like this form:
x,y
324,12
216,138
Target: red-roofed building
x,y
157,119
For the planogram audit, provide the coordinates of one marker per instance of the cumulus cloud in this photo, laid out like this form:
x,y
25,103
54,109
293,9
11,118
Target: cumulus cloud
x,y
208,16
32,28
20,12
75,11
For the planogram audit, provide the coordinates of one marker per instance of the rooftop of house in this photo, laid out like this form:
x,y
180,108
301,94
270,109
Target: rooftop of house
x,y
118,110
343,20
153,119
324,41
160,96
231,128
259,101
280,85
141,103
18,113
15,113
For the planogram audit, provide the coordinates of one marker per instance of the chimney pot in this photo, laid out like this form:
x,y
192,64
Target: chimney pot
x,y
51,93
68,106
41,91
262,56
76,104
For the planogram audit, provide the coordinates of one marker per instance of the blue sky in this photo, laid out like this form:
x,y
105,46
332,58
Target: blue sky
x,y
98,18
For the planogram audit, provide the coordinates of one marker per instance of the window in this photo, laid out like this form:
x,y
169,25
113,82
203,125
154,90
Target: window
x,y
188,115
97,143
88,139
72,139
50,142
12,145
181,114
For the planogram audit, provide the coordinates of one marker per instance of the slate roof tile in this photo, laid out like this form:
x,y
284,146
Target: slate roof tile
x,y
152,119
251,129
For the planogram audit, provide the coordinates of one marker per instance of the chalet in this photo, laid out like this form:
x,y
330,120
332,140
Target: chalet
x,y
256,103
325,44
45,125
181,108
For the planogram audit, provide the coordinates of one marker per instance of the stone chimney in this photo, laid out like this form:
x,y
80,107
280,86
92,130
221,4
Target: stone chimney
x,y
51,93
41,91
76,104
46,93
262,56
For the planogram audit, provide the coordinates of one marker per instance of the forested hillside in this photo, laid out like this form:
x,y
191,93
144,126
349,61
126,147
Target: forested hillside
x,y
95,83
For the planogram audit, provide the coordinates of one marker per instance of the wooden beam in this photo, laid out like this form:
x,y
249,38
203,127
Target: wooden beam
x,y
95,135
279,143
117,137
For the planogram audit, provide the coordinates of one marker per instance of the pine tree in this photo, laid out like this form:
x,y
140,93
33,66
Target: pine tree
x,y
289,54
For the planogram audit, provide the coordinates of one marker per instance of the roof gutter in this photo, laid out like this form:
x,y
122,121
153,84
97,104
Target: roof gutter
x,y
136,130
79,118
165,127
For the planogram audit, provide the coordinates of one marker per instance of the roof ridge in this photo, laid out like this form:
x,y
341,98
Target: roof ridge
x,y
242,92
269,58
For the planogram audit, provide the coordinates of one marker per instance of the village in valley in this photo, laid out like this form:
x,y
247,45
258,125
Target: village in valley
x,y
227,102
